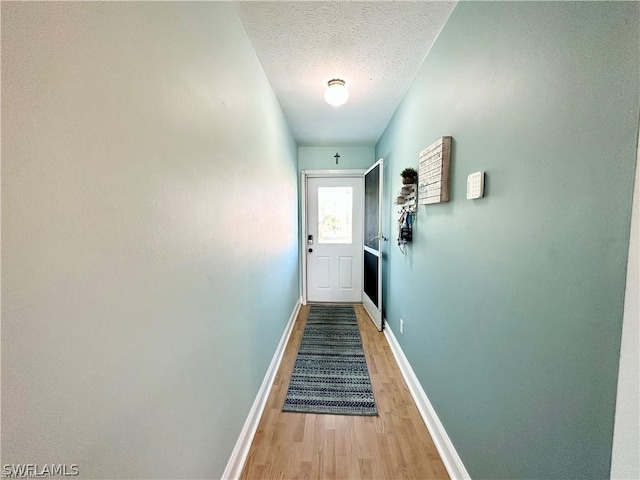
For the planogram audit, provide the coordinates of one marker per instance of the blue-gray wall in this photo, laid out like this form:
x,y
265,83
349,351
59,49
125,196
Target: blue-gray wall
x,y
513,303
322,158
149,247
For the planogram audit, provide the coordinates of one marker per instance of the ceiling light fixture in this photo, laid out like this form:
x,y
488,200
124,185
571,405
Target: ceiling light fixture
x,y
336,93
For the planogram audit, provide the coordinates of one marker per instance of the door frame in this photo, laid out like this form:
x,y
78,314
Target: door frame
x,y
373,310
304,175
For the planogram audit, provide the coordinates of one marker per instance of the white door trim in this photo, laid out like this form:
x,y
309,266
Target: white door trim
x,y
304,174
375,311
626,440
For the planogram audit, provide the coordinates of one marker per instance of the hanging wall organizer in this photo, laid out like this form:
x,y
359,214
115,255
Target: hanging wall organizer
x,y
407,200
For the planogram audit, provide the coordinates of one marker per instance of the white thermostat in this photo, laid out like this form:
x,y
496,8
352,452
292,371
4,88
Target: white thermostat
x,y
475,185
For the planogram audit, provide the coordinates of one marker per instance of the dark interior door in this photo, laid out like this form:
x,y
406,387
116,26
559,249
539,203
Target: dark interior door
x,y
373,241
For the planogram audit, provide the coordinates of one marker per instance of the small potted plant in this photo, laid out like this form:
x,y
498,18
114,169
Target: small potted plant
x,y
409,175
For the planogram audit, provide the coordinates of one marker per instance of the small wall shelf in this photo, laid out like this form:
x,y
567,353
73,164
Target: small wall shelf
x,y
407,197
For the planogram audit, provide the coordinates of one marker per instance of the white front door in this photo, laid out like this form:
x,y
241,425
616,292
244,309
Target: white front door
x,y
333,243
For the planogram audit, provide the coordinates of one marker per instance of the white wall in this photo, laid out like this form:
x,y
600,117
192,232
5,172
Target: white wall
x,y
625,460
148,235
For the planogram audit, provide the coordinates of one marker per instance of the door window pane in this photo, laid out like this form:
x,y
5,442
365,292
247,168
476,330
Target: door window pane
x,y
335,214
371,207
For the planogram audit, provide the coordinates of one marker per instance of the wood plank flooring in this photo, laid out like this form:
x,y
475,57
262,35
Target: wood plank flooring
x,y
393,445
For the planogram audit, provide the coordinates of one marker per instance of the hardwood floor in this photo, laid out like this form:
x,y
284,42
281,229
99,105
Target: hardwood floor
x,y
393,445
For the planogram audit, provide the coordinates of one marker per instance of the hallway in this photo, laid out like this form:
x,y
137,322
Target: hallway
x,y
395,444
152,236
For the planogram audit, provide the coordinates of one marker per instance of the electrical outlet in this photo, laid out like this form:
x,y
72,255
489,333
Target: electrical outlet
x,y
401,326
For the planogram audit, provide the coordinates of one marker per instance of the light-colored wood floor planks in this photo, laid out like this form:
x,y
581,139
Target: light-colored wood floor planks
x,y
393,445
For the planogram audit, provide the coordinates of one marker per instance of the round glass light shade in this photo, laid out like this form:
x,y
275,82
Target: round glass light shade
x,y
336,93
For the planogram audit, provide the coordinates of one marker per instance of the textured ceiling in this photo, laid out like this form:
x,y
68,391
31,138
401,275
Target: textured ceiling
x,y
376,47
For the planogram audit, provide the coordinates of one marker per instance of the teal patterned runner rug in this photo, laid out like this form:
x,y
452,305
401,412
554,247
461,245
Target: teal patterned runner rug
x,y
330,374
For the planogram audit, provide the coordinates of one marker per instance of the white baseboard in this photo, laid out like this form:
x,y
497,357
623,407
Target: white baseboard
x,y
241,449
447,451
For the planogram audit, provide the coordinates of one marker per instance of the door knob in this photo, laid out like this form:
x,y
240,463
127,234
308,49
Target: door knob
x,y
311,250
